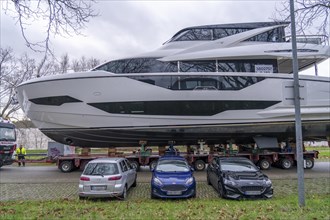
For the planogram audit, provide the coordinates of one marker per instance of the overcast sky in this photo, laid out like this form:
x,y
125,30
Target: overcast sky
x,y
125,28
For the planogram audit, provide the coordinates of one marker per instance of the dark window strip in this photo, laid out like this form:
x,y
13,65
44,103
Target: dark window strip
x,y
180,108
54,100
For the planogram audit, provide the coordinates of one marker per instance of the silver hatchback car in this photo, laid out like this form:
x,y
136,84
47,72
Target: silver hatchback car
x,y
107,177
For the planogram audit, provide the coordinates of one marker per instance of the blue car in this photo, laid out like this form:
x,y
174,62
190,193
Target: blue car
x,y
173,178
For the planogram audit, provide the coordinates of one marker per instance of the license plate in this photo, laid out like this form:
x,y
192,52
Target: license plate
x,y
98,188
174,193
252,193
7,152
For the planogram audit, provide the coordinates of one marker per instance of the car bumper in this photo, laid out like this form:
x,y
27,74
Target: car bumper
x,y
84,191
159,193
234,193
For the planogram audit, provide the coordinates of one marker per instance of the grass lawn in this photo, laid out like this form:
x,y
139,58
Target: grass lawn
x,y
284,205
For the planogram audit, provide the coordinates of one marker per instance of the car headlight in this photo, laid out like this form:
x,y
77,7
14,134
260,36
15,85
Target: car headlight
x,y
190,181
229,182
157,181
268,182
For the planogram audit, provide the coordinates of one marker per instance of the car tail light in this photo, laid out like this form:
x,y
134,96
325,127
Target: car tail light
x,y
14,148
114,178
84,178
2,152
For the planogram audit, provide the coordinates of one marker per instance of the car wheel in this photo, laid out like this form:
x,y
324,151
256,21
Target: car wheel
x,y
221,190
309,163
153,164
264,164
124,194
66,166
135,164
208,179
134,183
199,165
286,163
152,196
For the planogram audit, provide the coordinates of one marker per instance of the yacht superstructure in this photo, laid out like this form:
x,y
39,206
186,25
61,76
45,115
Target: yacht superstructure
x,y
213,82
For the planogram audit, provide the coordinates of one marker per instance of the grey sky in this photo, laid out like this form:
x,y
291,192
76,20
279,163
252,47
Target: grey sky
x,y
125,28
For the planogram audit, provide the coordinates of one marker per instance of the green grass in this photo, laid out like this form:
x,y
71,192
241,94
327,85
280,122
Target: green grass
x,y
324,152
317,207
207,205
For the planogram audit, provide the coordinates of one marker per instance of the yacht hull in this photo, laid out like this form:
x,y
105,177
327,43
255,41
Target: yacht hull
x,y
107,110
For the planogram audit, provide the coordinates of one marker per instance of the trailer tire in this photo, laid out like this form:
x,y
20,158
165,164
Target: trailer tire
x,y
286,163
264,164
135,164
309,163
152,164
66,166
199,165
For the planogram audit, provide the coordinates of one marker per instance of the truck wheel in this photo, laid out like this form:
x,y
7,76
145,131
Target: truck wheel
x,y
286,163
199,165
264,164
66,166
309,163
153,164
135,164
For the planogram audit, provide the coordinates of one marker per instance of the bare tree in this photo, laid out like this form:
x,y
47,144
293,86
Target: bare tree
x,y
64,63
63,17
308,13
13,71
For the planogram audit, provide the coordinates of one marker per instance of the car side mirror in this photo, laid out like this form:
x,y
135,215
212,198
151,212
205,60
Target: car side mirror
x,y
152,169
192,169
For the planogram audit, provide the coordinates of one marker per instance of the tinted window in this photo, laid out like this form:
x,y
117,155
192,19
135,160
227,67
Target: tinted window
x,y
240,166
172,166
198,66
123,166
139,65
101,169
54,100
225,32
194,34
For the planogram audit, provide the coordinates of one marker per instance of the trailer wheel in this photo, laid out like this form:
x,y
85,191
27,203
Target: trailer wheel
x,y
199,165
66,166
135,164
309,163
264,164
153,164
286,163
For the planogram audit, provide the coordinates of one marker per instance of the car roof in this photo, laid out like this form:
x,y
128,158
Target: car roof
x,y
107,160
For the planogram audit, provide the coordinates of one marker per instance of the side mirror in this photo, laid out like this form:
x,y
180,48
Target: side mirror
x,y
152,170
192,169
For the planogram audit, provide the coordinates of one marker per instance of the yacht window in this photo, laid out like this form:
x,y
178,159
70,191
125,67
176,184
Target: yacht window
x,y
270,36
194,34
139,65
198,66
245,65
225,32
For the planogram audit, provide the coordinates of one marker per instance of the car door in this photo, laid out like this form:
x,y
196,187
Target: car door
x,y
124,170
130,173
212,172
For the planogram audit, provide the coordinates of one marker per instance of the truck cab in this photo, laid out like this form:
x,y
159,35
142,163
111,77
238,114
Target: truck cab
x,y
7,142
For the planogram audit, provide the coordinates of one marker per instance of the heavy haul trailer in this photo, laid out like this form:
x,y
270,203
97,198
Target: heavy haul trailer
x,y
264,158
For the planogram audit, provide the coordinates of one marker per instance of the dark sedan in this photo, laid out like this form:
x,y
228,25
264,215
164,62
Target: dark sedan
x,y
237,177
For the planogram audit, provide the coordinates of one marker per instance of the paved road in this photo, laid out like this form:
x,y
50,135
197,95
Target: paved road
x,y
50,174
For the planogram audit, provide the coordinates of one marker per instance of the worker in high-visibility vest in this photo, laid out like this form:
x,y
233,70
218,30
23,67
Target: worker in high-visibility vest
x,y
21,152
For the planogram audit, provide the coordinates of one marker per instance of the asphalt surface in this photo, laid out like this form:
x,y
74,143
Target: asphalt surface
x,y
48,182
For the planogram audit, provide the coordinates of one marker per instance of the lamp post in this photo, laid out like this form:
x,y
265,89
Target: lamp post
x,y
299,152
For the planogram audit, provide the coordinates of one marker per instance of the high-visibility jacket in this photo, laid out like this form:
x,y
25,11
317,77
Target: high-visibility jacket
x,y
20,151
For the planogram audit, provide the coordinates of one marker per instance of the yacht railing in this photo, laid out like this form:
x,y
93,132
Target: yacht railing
x,y
310,39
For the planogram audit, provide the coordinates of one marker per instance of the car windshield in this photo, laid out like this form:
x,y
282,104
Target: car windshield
x,y
237,166
101,169
172,166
